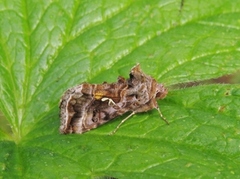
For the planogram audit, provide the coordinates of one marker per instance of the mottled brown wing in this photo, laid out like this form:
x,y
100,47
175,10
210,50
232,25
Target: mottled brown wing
x,y
73,105
87,106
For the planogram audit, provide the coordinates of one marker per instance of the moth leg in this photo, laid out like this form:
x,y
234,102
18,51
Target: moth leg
x,y
161,115
130,115
110,101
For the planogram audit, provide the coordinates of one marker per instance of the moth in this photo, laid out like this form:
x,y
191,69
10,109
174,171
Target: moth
x,y
87,106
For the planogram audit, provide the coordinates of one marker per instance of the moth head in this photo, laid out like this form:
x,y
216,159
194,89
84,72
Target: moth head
x,y
161,91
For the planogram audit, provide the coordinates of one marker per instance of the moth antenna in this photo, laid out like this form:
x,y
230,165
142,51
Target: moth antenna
x,y
130,115
161,115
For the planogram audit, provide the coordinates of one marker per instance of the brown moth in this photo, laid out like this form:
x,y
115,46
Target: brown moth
x,y
86,106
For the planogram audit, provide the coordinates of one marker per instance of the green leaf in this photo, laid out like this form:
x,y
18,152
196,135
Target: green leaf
x,y
47,47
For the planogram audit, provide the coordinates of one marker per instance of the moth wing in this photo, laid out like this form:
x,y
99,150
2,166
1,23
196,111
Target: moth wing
x,y
99,113
73,107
